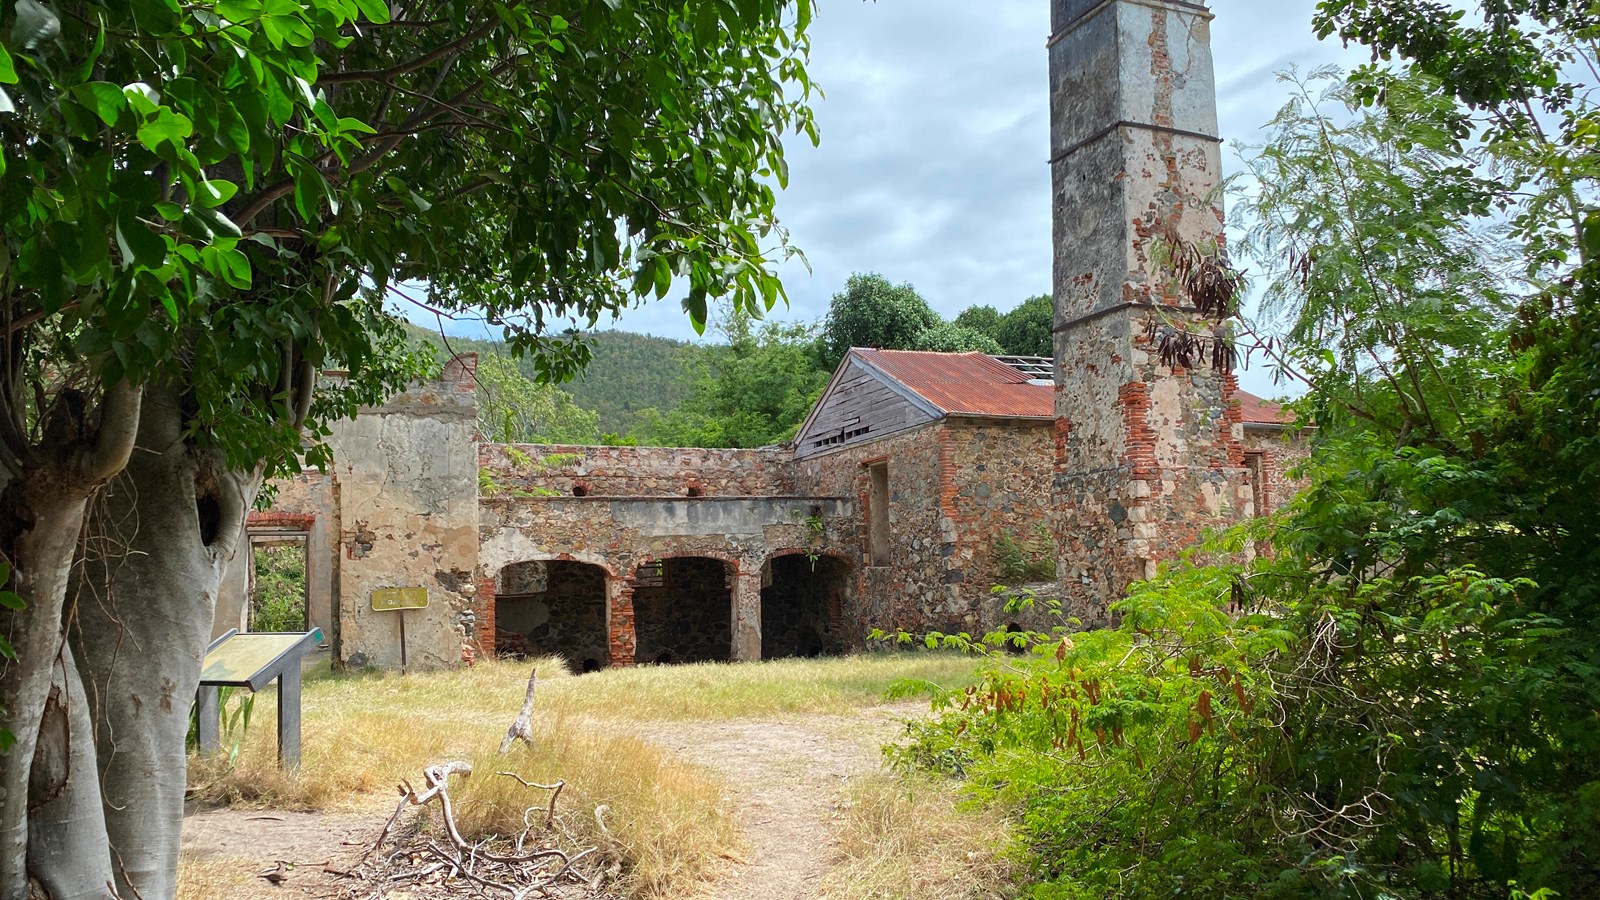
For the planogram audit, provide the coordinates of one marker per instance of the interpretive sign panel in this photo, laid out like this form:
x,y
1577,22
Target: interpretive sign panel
x,y
388,599
253,661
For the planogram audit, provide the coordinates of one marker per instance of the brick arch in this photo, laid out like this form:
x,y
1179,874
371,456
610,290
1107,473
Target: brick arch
x,y
737,560
483,605
824,553
582,556
809,618
651,607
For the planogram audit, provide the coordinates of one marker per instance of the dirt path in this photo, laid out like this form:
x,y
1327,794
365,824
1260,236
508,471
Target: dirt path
x,y
785,779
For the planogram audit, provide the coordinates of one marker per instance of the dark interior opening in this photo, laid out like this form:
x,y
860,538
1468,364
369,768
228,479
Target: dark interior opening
x,y
552,607
684,613
802,606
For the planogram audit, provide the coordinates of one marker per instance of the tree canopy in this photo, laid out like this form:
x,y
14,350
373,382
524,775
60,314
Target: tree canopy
x,y
871,312
204,205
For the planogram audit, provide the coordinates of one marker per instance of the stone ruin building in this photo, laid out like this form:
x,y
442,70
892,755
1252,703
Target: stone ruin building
x,y
909,481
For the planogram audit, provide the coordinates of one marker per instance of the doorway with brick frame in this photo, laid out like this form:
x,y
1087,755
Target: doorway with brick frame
x,y
552,607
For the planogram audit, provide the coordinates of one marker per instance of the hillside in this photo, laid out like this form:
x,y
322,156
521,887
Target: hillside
x,y
629,372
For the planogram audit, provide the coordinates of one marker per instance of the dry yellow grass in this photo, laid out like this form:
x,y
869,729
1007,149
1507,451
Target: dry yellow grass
x,y
208,879
364,733
909,838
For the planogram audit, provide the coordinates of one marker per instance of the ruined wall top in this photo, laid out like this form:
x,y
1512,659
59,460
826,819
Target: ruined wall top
x,y
545,469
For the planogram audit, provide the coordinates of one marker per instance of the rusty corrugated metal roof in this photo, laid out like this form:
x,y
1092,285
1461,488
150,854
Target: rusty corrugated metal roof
x,y
975,384
964,384
1256,411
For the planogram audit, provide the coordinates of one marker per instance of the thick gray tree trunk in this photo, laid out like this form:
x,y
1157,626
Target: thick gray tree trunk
x,y
42,505
68,851
169,525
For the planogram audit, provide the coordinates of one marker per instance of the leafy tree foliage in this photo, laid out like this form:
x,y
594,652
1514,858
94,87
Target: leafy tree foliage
x,y
871,312
199,208
949,337
1025,330
983,319
752,392
513,409
1399,701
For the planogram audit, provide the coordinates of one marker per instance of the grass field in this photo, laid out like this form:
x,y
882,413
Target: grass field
x,y
363,733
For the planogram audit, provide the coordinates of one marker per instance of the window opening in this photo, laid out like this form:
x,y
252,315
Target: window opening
x,y
878,515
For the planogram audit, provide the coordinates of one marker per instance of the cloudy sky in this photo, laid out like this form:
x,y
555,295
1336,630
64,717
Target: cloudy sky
x,y
933,162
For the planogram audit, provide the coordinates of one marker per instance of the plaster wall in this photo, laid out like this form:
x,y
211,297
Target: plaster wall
x,y
407,476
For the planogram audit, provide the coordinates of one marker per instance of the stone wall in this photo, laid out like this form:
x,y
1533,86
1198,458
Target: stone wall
x,y
636,471
802,607
560,609
407,494
953,486
620,534
1276,451
686,615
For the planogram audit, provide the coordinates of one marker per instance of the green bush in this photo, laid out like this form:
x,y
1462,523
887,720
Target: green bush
x,y
278,601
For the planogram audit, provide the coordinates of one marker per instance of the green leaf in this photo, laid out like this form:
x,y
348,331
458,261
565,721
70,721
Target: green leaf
x,y
219,223
375,11
139,244
8,70
215,192
103,98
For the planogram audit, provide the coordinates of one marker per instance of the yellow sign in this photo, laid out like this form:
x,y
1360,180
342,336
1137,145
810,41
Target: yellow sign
x,y
389,599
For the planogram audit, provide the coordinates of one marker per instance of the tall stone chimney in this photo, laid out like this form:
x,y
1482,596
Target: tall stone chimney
x,y
1147,456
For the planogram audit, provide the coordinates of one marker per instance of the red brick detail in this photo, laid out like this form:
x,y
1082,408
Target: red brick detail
x,y
274,519
483,610
461,373
1134,401
1232,419
621,641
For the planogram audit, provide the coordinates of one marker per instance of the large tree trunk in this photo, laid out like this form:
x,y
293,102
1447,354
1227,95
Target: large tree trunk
x,y
42,507
68,852
174,518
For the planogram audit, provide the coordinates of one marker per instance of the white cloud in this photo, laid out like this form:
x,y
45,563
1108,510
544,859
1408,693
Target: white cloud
x,y
933,166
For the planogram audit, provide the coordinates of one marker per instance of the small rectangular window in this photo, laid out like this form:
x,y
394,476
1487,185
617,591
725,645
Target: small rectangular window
x,y
1258,484
878,515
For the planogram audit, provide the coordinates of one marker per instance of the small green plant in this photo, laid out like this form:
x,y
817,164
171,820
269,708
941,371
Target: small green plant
x,y
235,707
519,458
1024,562
556,460
486,483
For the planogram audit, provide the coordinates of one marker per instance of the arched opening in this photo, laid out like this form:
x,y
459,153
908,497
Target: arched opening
x,y
802,606
552,607
683,610
580,490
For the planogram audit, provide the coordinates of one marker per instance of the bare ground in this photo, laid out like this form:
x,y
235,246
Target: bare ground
x,y
784,780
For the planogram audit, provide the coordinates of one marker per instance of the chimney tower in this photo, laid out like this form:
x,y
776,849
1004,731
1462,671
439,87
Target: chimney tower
x,y
1147,456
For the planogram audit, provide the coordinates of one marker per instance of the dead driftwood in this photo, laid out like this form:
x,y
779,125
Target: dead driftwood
x,y
520,868
522,728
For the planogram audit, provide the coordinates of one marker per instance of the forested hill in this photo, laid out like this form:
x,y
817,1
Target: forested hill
x,y
752,388
630,372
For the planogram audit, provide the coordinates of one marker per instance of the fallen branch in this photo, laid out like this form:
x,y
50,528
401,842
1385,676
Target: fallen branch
x,y
550,811
464,868
522,728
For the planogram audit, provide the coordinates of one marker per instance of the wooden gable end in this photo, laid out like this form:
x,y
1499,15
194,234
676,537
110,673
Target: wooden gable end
x,y
859,406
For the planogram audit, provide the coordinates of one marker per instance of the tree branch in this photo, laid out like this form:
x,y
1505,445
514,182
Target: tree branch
x,y
119,425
